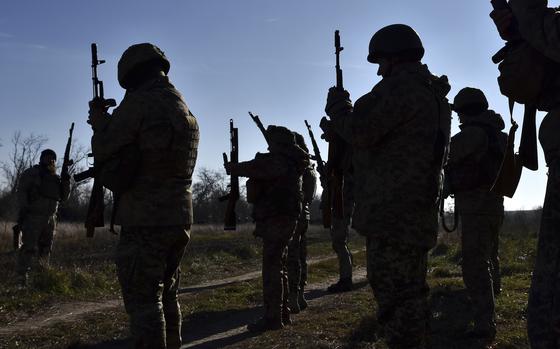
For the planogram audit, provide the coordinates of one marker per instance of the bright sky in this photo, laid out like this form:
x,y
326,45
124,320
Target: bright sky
x,y
274,58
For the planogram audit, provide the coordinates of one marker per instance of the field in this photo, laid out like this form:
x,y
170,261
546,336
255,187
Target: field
x,y
74,303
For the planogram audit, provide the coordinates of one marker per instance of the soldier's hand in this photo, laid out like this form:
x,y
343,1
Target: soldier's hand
x,y
503,20
326,126
98,115
337,100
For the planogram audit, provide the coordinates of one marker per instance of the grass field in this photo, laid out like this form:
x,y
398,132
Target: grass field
x,y
83,270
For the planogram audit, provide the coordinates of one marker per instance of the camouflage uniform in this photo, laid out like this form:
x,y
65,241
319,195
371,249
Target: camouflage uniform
x,y
540,26
274,189
340,230
39,192
155,212
476,153
398,132
297,249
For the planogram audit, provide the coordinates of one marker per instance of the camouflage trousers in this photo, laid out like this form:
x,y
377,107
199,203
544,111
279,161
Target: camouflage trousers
x,y
479,237
37,239
339,237
276,233
297,257
148,260
543,312
397,275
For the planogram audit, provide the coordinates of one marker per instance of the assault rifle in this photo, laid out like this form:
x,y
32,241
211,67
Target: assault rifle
x,y
260,125
96,205
67,162
230,219
323,175
512,164
16,230
334,201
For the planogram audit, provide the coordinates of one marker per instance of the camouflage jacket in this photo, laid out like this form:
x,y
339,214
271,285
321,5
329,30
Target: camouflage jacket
x,y
469,155
399,134
155,119
40,191
309,186
275,181
540,26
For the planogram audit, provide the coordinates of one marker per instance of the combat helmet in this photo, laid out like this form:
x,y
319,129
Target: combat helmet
x,y
470,101
137,55
395,39
280,135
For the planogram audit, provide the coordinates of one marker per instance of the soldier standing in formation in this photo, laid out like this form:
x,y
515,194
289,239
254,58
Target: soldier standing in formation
x,y
274,188
39,192
297,248
475,157
539,26
154,125
399,134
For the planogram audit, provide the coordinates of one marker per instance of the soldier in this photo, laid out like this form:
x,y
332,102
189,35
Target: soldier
x,y
154,125
274,189
399,134
539,26
297,249
475,156
340,234
39,192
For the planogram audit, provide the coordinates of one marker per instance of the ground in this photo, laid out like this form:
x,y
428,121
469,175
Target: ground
x,y
75,303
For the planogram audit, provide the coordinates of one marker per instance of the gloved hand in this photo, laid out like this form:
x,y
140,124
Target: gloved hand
x,y
98,116
503,20
337,101
327,127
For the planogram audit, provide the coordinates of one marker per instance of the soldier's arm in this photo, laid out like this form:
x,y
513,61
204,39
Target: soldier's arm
x,y
469,142
120,129
23,188
539,25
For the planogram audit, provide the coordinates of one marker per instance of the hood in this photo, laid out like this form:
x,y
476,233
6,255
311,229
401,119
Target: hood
x,y
489,118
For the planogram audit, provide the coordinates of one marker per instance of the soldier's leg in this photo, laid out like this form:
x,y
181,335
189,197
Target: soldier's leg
x,y
31,230
171,283
303,263
285,288
476,239
339,236
46,241
141,264
294,268
494,257
397,275
543,311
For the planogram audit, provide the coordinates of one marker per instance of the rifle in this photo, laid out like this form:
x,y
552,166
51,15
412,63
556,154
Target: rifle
x,y
259,125
323,176
96,205
230,218
16,229
67,162
337,149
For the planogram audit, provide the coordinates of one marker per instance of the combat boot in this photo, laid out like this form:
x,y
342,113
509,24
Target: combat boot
x,y
293,303
286,320
343,285
301,300
265,324
22,281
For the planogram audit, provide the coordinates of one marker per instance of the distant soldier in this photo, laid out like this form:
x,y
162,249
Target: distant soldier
x,y
539,26
39,192
340,234
475,157
399,134
153,125
274,189
297,249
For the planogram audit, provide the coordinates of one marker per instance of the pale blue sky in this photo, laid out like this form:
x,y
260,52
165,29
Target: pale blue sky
x,y
274,58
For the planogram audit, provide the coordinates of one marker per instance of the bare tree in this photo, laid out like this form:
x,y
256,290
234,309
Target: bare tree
x,y
24,154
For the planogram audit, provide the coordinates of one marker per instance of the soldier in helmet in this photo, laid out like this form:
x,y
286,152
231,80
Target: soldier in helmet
x,y
153,131
39,192
399,134
475,157
274,188
539,25
297,249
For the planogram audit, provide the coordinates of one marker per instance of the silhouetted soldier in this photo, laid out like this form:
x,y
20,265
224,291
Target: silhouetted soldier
x,y
399,134
153,125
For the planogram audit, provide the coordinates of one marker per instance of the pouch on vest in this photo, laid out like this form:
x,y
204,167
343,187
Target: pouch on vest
x,y
117,174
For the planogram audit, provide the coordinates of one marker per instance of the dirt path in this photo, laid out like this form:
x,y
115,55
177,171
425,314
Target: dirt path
x,y
66,312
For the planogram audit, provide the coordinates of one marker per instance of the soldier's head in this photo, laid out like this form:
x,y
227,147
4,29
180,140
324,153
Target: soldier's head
x,y
140,63
47,159
280,136
392,45
469,102
300,141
